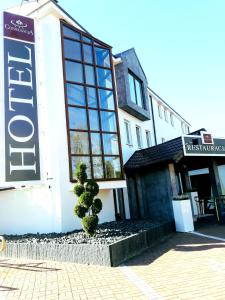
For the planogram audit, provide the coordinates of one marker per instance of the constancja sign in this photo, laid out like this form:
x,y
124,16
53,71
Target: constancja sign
x,y
203,145
22,162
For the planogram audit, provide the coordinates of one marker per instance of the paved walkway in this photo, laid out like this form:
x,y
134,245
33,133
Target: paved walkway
x,y
184,267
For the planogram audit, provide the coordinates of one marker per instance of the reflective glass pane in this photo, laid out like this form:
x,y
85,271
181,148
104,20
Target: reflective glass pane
x,y
102,57
92,97
88,54
112,167
72,49
106,99
96,143
132,88
94,119
108,121
90,75
79,142
110,144
71,33
74,71
86,39
75,94
77,118
139,93
81,159
104,78
97,167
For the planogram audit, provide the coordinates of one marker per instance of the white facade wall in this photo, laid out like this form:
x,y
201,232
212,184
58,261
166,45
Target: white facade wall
x,y
48,206
128,150
164,128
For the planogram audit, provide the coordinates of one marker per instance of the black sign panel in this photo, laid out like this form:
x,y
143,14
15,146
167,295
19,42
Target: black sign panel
x,y
193,146
21,121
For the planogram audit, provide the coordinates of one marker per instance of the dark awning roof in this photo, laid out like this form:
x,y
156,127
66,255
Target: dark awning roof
x,y
170,151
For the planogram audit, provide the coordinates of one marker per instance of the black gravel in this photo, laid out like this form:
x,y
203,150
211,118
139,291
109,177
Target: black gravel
x,y
107,233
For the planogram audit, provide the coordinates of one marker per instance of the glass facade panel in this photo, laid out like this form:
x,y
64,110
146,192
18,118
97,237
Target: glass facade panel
x,y
90,75
92,97
74,72
72,49
132,88
104,78
102,57
110,144
91,109
79,142
86,39
77,118
93,119
97,167
75,94
112,167
139,93
71,33
88,54
106,99
96,143
75,160
108,120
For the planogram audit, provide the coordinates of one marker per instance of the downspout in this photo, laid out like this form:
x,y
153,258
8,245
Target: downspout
x,y
153,119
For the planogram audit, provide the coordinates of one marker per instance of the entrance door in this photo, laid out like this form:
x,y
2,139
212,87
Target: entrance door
x,y
202,184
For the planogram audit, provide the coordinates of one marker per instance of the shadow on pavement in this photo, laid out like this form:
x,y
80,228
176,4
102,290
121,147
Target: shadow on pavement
x,y
34,267
178,242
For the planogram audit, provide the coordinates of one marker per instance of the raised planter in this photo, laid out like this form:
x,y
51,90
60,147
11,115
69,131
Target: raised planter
x,y
183,214
105,255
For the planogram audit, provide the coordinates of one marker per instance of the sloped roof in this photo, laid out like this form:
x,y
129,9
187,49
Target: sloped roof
x,y
170,151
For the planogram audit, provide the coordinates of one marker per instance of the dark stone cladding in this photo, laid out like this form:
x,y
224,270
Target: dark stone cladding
x,y
130,62
106,255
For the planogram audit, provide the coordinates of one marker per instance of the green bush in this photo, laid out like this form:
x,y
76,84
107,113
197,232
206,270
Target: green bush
x,y
85,199
80,211
81,174
78,189
92,187
90,224
96,206
87,207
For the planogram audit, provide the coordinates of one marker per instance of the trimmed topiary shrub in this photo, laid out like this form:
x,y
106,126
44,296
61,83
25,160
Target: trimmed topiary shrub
x,y
88,206
80,211
85,199
90,224
78,189
96,206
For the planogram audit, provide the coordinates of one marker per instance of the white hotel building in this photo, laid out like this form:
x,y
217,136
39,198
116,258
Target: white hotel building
x,y
92,107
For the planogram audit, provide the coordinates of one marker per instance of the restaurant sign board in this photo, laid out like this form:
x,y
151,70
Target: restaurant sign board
x,y
203,145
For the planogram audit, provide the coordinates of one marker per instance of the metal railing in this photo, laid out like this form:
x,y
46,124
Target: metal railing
x,y
2,243
214,205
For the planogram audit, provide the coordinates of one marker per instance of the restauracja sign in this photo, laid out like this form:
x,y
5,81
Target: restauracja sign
x,y
203,145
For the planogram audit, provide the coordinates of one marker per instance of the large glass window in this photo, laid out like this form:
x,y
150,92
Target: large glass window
x,y
102,57
74,72
75,94
136,90
91,110
72,49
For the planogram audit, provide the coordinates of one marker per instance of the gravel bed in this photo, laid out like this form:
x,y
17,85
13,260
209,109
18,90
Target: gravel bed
x,y
107,233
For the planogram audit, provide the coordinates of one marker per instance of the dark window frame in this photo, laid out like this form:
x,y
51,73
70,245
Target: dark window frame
x,y
135,77
94,42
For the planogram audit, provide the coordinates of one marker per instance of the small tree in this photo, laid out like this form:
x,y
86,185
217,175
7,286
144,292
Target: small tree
x,y
88,207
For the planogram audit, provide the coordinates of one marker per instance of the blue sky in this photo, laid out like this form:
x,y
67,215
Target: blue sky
x,y
180,44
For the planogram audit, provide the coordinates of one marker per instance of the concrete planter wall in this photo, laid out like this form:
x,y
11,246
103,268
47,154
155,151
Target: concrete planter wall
x,y
183,215
105,255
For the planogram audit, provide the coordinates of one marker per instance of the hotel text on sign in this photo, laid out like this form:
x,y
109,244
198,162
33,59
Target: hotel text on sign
x,y
22,161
